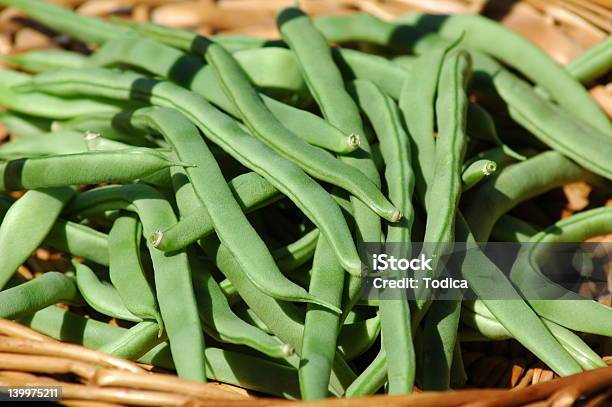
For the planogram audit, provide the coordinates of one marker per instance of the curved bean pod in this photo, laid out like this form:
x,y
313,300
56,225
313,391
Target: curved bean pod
x,y
476,172
567,310
555,127
511,229
58,142
321,326
48,289
310,197
126,271
592,63
22,125
220,322
371,379
82,168
487,202
101,296
135,342
314,161
251,191
357,337
41,208
44,59
514,314
230,223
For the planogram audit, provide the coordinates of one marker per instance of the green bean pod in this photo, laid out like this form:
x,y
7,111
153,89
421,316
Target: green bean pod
x,y
100,295
220,321
40,60
567,309
59,142
82,168
41,208
371,379
314,161
127,273
251,192
514,314
395,149
485,204
511,229
48,289
476,172
592,63
21,125
203,81
321,325
211,189
135,342
357,337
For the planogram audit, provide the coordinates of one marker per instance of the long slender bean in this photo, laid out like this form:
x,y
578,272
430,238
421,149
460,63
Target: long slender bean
x,y
44,59
27,298
251,192
231,226
135,342
126,271
592,63
476,172
371,379
82,168
41,208
516,184
100,295
357,337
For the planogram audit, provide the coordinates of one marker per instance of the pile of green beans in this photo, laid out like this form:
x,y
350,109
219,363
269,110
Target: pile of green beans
x,y
213,194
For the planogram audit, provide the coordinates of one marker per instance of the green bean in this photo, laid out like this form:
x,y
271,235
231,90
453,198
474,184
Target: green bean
x,y
21,125
135,342
126,271
220,322
579,350
487,202
321,325
553,126
59,142
230,367
78,240
232,227
395,149
416,102
514,314
314,161
282,174
41,208
251,192
568,309
325,83
592,63
357,337
48,106
82,168
371,379
102,123
44,59
442,199
101,295
476,172
172,274
486,326
511,229
48,289
501,156
87,29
